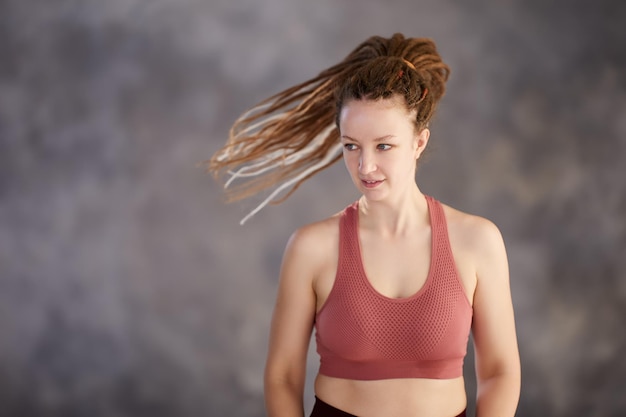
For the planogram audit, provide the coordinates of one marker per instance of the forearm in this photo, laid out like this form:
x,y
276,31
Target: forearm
x,y
283,399
498,396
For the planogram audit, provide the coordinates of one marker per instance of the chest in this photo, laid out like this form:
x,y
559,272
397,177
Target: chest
x,y
396,267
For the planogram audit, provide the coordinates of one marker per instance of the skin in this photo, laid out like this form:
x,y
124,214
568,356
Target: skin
x,y
381,148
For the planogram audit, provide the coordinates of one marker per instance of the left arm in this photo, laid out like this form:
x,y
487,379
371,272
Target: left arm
x,y
498,369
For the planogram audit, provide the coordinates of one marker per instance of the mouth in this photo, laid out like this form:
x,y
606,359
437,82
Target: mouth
x,y
371,183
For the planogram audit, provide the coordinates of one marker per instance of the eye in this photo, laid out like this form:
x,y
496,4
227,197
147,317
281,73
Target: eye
x,y
349,146
383,147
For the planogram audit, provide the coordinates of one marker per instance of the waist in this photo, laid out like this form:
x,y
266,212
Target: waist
x,y
394,397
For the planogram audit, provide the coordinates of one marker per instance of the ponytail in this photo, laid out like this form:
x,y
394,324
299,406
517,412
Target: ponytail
x,y
289,137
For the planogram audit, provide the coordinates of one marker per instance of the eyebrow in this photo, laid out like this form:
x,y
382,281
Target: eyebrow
x,y
380,139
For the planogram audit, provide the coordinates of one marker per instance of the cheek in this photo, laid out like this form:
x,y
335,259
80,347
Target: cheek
x,y
407,165
349,159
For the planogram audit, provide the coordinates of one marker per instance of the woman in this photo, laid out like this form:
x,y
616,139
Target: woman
x,y
393,283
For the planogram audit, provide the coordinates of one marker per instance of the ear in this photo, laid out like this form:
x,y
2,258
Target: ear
x,y
421,140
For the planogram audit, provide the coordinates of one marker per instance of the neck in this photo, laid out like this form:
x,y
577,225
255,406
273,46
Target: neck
x,y
397,217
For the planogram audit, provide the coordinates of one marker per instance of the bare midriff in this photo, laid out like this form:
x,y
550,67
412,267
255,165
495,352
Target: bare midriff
x,y
406,397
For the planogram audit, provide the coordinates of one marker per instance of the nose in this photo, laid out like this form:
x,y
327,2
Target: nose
x,y
367,163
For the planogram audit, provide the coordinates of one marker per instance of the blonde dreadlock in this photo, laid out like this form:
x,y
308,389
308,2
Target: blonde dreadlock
x,y
289,137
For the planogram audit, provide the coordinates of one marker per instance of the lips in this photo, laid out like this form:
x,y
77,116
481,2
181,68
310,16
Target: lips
x,y
371,183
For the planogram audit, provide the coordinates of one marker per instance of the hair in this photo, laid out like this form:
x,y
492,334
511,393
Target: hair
x,y
292,135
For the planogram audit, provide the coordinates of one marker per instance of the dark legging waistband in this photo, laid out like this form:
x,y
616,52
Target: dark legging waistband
x,y
322,409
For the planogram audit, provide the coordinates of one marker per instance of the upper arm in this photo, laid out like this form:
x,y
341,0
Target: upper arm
x,y
294,312
493,324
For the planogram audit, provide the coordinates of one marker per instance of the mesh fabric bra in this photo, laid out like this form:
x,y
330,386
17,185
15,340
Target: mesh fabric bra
x,y
364,335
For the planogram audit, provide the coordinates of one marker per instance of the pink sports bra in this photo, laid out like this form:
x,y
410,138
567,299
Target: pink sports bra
x,y
363,335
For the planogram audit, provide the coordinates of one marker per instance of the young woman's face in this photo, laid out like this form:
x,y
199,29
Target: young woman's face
x,y
380,146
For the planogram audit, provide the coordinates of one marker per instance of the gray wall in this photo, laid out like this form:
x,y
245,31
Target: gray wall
x,y
127,288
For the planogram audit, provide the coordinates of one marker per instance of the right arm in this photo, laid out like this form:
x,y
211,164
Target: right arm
x,y
292,324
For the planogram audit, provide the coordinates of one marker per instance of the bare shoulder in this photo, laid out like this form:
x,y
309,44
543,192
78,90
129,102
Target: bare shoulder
x,y
479,247
314,237
472,231
312,245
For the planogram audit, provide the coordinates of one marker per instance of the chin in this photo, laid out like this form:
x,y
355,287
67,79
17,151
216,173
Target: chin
x,y
374,195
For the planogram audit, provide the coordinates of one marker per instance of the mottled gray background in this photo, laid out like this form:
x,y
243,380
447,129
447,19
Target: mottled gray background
x,y
127,288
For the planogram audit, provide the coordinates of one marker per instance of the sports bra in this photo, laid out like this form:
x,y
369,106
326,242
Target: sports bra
x,y
364,335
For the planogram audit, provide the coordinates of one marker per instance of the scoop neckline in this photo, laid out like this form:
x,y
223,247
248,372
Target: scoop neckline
x,y
429,276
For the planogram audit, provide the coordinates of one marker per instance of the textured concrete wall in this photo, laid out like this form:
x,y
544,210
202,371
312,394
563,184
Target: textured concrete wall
x,y
128,289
